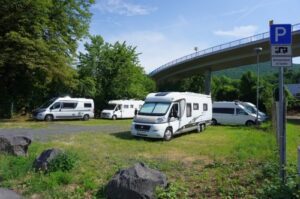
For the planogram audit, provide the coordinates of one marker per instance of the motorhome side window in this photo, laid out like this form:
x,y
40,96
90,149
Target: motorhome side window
x,y
126,106
205,107
56,105
174,111
223,110
188,110
69,105
131,106
240,111
195,106
87,105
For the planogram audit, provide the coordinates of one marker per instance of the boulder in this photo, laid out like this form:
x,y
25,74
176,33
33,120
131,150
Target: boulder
x,y
8,194
137,182
41,163
15,145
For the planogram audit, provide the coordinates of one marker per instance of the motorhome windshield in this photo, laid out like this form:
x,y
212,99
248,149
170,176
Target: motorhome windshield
x,y
154,108
48,103
111,107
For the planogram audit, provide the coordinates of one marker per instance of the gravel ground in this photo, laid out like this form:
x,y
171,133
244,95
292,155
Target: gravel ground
x,y
43,134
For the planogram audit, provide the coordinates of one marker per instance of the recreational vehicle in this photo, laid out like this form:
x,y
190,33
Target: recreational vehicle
x,y
65,108
121,109
169,113
233,113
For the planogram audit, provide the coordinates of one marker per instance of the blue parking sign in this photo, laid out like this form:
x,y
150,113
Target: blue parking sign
x,y
281,34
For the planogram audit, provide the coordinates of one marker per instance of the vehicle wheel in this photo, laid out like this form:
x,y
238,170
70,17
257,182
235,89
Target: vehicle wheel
x,y
250,123
49,118
214,122
168,134
86,117
114,117
200,128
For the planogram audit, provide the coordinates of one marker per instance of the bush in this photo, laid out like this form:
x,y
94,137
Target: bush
x,y
63,162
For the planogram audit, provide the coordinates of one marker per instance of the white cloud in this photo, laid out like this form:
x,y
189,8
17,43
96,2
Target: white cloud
x,y
239,32
122,7
156,48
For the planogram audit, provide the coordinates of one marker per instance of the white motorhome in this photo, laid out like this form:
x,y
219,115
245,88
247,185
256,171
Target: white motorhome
x,y
169,113
118,109
65,108
233,113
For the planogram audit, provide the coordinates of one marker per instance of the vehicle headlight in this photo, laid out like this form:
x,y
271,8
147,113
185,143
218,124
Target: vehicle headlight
x,y
160,120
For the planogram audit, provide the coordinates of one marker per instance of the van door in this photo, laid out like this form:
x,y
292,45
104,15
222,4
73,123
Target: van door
x,y
55,110
126,112
241,116
68,110
118,111
174,117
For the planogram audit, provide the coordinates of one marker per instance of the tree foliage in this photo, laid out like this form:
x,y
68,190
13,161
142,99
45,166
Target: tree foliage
x,y
38,42
113,70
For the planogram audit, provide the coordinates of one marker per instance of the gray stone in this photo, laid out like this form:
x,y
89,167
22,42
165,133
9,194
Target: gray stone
x,y
137,182
8,194
15,145
41,163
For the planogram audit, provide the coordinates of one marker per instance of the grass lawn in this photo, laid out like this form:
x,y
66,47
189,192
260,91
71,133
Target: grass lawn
x,y
222,162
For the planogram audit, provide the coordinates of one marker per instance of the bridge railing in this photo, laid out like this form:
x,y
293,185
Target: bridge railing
x,y
246,40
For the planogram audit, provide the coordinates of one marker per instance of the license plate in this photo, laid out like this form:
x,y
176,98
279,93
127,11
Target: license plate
x,y
141,132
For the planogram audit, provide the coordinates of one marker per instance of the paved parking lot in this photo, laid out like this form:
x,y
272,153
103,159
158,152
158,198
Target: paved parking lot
x,y
62,129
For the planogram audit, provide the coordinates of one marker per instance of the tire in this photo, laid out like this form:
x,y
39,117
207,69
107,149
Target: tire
x,y
250,123
114,117
214,122
86,117
49,118
168,134
200,128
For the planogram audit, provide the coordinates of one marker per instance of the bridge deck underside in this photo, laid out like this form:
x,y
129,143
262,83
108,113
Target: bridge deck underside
x,y
229,58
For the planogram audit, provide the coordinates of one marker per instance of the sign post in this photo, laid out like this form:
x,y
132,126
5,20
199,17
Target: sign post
x,y
281,51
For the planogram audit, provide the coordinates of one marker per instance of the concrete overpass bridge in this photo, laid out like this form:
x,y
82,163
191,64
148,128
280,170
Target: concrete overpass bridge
x,y
229,55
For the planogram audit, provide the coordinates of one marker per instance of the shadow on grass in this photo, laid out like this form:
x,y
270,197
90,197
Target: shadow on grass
x,y
126,135
294,121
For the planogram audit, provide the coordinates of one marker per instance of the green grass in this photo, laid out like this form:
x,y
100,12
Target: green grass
x,y
222,162
26,123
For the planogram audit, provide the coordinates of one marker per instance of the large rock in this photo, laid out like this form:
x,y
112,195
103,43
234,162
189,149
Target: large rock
x,y
8,194
16,145
41,163
137,182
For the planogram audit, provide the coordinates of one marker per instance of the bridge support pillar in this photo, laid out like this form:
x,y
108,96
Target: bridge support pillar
x,y
207,85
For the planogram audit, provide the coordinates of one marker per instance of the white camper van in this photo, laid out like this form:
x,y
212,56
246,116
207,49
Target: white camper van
x,y
252,108
232,113
168,113
121,109
65,108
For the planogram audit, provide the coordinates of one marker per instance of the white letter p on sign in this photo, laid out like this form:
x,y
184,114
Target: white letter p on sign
x,y
279,31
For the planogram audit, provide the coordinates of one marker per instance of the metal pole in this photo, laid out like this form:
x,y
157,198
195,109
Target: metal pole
x,y
257,50
282,126
257,88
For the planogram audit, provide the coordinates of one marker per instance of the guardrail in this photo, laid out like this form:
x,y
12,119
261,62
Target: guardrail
x,y
246,40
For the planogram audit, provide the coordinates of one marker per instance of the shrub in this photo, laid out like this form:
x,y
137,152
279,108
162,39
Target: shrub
x,y
63,162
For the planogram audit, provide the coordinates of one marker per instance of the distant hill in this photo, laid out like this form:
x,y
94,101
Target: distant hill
x,y
265,69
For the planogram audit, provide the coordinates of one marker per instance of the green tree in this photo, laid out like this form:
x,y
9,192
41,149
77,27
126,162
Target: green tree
x,y
38,42
114,71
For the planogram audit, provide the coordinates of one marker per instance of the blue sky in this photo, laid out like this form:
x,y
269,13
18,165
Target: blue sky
x,y
164,30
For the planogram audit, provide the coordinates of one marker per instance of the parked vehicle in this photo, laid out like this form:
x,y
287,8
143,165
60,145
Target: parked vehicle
x,y
232,113
252,108
65,108
118,109
166,114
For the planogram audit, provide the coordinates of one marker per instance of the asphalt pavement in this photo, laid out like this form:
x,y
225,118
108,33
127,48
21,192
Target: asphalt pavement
x,y
51,130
